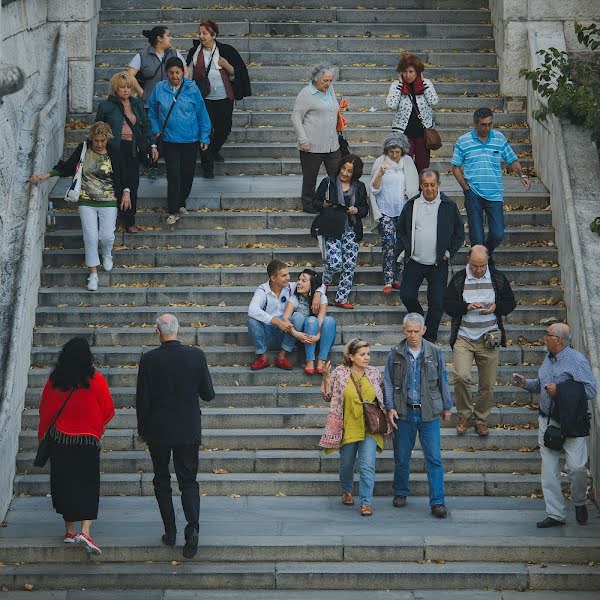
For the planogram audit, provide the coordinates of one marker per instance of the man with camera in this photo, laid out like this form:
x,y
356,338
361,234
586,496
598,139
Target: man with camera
x,y
477,298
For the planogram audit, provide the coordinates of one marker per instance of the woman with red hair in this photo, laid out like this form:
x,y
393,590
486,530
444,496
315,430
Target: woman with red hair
x,y
412,97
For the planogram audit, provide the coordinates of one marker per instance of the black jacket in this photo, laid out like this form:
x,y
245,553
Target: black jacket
x,y
67,168
110,111
170,379
450,229
456,307
361,205
571,409
241,82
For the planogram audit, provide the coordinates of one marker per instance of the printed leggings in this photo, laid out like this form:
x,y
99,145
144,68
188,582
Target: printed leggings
x,y
392,270
341,256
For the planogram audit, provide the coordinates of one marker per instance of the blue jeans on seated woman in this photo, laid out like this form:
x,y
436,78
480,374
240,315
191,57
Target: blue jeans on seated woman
x,y
310,326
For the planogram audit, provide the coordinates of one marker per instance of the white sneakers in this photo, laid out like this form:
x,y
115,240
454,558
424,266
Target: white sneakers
x,y
92,282
172,219
107,263
183,210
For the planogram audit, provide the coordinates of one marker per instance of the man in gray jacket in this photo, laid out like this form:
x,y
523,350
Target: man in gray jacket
x,y
416,393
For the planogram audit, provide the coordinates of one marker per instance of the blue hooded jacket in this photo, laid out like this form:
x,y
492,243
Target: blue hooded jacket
x,y
189,120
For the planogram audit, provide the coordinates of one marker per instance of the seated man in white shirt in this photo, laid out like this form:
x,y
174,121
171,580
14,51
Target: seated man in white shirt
x,y
265,311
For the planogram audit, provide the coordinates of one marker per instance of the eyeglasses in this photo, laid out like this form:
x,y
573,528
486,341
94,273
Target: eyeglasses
x,y
552,335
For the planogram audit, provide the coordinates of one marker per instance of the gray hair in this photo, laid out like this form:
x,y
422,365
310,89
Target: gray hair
x,y
414,318
167,324
320,70
396,140
428,172
563,331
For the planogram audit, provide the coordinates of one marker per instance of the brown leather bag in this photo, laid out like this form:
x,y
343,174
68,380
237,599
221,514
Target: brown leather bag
x,y
433,141
375,419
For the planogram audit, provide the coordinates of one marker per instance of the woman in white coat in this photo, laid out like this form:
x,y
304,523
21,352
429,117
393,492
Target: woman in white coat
x,y
394,179
412,97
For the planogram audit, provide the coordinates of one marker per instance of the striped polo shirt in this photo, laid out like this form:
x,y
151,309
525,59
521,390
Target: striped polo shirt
x,y
482,162
474,324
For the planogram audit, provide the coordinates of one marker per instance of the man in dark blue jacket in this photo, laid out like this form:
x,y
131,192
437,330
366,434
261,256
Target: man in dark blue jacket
x,y
429,233
170,379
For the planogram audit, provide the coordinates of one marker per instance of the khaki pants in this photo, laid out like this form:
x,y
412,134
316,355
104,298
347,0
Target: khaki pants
x,y
486,360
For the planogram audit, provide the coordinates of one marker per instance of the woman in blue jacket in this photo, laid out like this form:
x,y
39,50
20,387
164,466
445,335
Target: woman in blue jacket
x,y
180,120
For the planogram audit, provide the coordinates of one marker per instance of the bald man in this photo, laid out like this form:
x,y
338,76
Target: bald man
x,y
477,298
562,363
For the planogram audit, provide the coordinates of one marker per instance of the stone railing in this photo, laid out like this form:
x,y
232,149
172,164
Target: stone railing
x,y
43,119
11,80
566,161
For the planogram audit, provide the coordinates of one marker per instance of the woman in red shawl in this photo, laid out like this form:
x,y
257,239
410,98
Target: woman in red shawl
x,y
75,438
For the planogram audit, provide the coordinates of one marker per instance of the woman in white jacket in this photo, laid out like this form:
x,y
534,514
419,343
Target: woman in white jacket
x,y
412,97
394,179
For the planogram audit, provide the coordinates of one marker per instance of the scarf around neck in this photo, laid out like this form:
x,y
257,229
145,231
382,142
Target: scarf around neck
x,y
416,88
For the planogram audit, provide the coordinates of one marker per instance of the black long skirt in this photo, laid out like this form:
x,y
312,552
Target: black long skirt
x,y
75,480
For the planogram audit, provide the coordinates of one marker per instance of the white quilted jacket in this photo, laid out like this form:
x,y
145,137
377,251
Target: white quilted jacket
x,y
404,105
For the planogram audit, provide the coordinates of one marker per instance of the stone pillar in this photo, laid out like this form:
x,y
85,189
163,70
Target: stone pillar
x,y
81,20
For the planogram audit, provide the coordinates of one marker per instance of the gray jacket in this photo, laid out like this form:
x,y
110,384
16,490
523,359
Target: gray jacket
x,y
152,69
435,393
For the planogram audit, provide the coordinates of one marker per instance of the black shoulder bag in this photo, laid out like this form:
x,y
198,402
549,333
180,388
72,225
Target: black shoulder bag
x,y
43,452
142,80
553,437
144,148
331,221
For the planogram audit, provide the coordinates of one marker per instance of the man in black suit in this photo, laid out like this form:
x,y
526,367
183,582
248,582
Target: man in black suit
x,y
170,379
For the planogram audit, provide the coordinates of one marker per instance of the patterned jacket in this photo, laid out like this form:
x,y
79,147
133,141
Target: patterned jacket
x,y
334,427
404,105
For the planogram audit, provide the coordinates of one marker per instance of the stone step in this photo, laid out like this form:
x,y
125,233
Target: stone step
x,y
364,295
230,276
296,395
297,484
243,377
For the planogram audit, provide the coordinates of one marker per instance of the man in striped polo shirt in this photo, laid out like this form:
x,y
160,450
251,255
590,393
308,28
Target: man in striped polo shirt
x,y
480,153
477,298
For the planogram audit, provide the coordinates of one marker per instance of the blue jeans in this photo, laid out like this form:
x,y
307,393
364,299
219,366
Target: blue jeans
x,y
404,442
367,453
264,336
476,206
310,326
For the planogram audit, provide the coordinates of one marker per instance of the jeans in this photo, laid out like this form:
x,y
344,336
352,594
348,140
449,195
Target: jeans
x,y
494,211
310,326
367,453
98,225
404,442
264,336
437,280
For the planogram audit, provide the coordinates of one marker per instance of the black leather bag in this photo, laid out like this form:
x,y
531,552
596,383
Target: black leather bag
x,y
553,437
331,220
344,146
144,148
43,452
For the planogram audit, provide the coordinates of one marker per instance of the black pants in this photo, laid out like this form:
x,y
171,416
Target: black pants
x,y
185,460
437,280
181,163
130,172
311,163
221,115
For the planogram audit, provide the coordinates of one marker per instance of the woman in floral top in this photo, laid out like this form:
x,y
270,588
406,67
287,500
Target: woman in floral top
x,y
101,189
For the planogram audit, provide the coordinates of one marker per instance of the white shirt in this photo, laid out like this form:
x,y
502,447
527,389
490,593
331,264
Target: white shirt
x,y
478,289
265,305
425,230
390,196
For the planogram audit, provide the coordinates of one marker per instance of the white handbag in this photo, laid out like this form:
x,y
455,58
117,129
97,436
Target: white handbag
x,y
72,194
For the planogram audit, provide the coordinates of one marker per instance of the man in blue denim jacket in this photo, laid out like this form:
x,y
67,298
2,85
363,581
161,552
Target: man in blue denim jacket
x,y
416,393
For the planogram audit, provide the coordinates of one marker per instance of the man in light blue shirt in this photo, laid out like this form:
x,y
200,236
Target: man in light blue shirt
x,y
481,153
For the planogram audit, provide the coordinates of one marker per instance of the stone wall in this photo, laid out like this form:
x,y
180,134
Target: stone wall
x,y
512,19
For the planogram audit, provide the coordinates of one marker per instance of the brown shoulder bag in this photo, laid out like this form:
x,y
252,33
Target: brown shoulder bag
x,y
375,419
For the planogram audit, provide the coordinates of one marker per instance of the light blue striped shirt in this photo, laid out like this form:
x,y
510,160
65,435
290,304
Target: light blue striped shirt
x,y
482,162
327,97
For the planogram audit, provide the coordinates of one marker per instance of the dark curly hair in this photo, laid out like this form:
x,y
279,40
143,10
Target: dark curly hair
x,y
410,60
211,25
154,33
74,367
316,281
357,163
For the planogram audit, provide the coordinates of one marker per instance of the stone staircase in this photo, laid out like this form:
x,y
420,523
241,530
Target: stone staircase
x,y
271,518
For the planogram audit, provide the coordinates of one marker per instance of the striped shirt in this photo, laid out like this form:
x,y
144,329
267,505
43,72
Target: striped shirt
x,y
482,162
474,324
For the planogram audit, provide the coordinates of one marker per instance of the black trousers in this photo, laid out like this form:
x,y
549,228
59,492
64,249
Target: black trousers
x,y
181,163
311,163
185,460
130,171
221,115
437,281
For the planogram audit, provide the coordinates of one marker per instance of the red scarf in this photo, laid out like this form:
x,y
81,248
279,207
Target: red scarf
x,y
418,87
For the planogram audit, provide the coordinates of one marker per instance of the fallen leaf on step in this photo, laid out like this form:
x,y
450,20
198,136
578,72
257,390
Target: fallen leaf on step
x,y
280,494
174,563
28,586
234,496
221,304
220,471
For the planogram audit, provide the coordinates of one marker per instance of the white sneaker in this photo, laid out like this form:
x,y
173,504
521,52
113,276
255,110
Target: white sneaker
x,y
107,263
183,211
92,282
172,219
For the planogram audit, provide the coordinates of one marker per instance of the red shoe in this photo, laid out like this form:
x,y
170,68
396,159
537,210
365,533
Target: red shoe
x,y
345,305
319,370
88,543
260,363
310,371
70,538
387,290
396,285
284,363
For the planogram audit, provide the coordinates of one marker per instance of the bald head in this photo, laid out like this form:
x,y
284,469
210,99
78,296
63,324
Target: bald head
x,y
167,327
478,260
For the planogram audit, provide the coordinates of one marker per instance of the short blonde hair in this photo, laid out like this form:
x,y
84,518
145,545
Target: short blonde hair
x,y
351,348
118,80
100,128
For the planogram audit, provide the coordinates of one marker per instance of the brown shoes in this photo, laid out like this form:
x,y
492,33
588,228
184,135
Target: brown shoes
x,y
366,510
399,501
462,425
482,429
347,499
439,511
